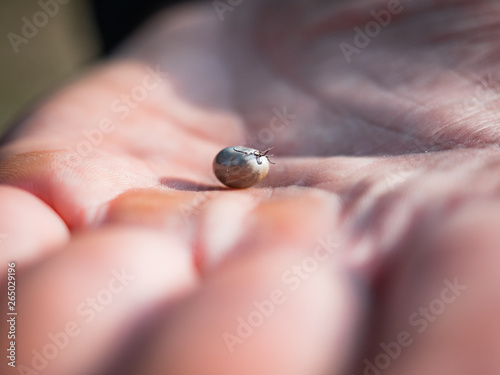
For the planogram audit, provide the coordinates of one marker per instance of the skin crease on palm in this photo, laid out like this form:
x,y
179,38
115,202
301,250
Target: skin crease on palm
x,y
392,157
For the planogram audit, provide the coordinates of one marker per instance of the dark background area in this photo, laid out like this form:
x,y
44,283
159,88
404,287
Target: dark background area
x,y
117,19
79,33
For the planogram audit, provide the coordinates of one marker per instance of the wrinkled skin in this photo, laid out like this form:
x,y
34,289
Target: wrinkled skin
x,y
391,159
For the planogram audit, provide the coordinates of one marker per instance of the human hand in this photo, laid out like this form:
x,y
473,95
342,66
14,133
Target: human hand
x,y
389,162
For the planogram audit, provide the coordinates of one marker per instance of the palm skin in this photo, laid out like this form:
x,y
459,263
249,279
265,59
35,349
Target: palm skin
x,y
391,159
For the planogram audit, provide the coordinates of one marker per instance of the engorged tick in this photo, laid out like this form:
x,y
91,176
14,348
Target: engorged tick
x,y
241,167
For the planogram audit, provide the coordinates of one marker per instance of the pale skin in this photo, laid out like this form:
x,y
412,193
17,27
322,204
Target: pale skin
x,y
391,159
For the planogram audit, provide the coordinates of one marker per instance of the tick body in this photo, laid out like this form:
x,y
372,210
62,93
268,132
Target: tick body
x,y
241,167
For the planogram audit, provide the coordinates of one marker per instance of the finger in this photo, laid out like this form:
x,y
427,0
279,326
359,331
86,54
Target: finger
x,y
254,317
446,322
29,229
219,224
77,309
77,189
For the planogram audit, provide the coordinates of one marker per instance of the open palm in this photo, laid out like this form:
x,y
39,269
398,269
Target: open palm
x,y
371,246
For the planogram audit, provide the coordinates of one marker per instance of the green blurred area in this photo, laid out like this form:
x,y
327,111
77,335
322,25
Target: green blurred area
x,y
57,52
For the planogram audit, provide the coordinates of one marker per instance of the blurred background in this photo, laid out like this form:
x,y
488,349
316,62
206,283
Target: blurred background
x,y
60,49
69,37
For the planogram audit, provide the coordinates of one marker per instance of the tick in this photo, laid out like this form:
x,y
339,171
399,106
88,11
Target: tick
x,y
241,167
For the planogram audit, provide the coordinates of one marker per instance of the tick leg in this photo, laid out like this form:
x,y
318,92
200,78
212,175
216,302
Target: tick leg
x,y
269,160
264,153
242,152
